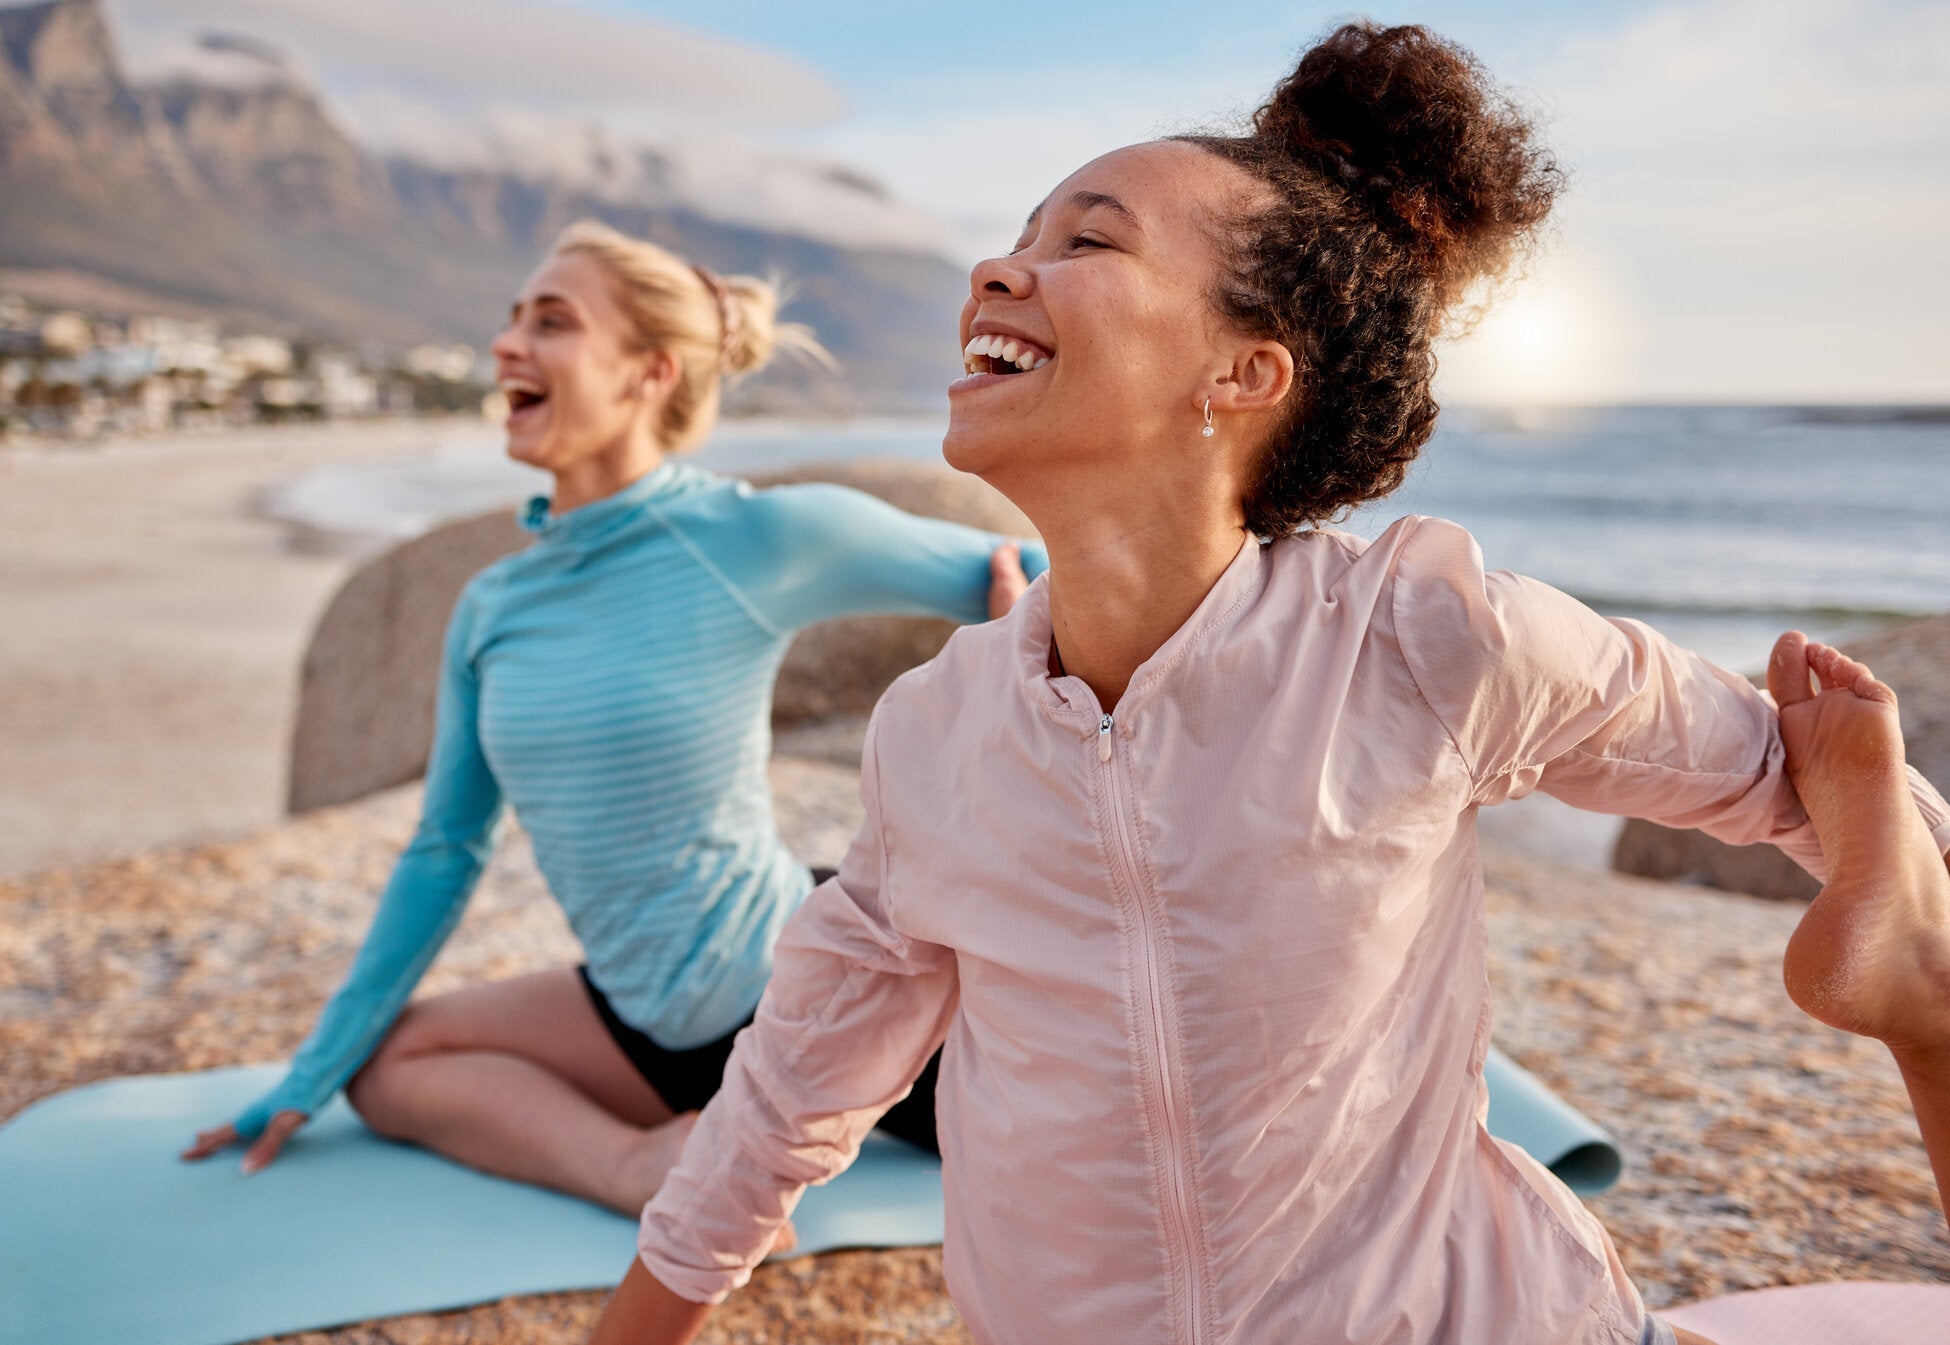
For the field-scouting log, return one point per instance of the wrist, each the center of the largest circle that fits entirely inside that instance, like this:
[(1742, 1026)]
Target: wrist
[(644, 1311)]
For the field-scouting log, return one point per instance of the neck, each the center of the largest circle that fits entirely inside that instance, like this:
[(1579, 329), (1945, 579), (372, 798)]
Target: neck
[(598, 477), (1127, 569)]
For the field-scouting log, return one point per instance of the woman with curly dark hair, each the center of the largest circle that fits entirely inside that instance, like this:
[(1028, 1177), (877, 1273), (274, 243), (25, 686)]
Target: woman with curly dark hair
[(1178, 860)]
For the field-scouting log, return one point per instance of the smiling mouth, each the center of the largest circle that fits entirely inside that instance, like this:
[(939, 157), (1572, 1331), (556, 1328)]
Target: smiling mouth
[(1003, 355), (522, 396)]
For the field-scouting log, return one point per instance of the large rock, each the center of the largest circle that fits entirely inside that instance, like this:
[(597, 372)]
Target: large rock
[(1914, 658), (365, 706)]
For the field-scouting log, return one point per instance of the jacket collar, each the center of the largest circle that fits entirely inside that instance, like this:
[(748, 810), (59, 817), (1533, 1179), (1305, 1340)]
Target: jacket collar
[(1220, 606)]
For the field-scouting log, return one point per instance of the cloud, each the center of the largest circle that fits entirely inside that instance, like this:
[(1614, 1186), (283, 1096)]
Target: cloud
[(724, 176), (1756, 206), (628, 109), (982, 146), (473, 53), (221, 58), (1768, 183)]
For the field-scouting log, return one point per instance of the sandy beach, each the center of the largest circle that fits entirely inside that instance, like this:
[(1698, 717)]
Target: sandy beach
[(151, 625), (1761, 1147), (158, 911)]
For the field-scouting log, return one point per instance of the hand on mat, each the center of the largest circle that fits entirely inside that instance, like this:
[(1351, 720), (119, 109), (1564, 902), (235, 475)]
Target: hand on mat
[(260, 1155)]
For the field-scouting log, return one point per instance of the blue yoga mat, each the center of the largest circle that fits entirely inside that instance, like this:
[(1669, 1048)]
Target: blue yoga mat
[(1548, 1128), (105, 1236)]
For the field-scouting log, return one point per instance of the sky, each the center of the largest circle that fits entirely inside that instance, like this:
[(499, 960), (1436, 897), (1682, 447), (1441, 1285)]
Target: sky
[(1759, 188)]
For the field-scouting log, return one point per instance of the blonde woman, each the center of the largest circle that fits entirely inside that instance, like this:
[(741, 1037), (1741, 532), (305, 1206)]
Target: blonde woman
[(612, 684)]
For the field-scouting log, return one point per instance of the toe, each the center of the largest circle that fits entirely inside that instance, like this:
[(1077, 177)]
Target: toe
[(1787, 670), (1869, 689)]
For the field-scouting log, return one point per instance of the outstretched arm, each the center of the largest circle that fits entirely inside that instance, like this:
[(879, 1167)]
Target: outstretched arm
[(1540, 692), (806, 553), (851, 1015), (418, 910)]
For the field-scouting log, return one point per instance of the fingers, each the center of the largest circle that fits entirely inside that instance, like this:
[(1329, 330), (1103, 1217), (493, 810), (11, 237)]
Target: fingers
[(211, 1141), (1787, 671), (261, 1154), (1007, 582)]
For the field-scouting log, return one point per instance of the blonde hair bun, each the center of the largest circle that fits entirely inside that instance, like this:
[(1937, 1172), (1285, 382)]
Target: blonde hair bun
[(715, 326)]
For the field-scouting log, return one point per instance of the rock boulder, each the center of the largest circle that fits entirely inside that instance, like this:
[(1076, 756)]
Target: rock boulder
[(365, 705)]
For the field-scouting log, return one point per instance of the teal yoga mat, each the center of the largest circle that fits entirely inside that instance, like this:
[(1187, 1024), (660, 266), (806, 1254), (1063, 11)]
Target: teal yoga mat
[(1548, 1128), (106, 1237)]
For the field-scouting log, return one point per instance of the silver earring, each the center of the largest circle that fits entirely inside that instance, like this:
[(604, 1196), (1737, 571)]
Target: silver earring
[(1207, 431)]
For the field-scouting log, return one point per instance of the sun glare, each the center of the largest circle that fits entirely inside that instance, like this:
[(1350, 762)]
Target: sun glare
[(1559, 337)]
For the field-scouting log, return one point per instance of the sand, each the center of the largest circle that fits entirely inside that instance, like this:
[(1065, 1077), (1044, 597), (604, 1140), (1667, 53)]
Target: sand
[(151, 626), (163, 915), (1762, 1147)]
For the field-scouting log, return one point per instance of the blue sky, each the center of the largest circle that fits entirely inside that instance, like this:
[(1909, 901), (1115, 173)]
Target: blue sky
[(1759, 189), (1759, 186)]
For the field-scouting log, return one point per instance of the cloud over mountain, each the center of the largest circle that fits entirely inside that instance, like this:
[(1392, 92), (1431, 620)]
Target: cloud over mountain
[(228, 182), (475, 55)]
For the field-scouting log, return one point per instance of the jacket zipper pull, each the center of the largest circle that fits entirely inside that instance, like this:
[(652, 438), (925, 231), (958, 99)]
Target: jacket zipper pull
[(1103, 739)]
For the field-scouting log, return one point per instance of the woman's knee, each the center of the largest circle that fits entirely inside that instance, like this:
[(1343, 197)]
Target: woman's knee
[(371, 1091)]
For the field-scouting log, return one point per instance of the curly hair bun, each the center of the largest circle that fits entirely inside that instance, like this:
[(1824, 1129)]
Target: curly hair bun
[(1412, 126)]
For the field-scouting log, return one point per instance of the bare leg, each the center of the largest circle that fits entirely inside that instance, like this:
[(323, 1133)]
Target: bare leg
[(1872, 954), (520, 1079)]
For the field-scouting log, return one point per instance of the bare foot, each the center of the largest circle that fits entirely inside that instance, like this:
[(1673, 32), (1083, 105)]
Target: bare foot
[(650, 1161), (1872, 954), (1007, 582)]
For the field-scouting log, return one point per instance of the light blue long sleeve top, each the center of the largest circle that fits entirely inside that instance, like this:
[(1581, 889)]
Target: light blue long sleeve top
[(613, 684)]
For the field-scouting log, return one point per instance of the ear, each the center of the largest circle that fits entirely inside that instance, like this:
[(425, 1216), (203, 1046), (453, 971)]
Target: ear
[(1259, 379), (657, 374)]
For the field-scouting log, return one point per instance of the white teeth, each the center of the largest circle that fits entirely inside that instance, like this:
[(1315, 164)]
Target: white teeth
[(997, 349)]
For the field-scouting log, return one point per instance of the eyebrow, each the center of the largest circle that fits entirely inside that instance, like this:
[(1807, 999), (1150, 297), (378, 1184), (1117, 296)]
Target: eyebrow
[(1085, 200), (546, 297)]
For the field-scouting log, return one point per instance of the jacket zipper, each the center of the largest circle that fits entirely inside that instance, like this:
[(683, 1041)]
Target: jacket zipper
[(1181, 1225)]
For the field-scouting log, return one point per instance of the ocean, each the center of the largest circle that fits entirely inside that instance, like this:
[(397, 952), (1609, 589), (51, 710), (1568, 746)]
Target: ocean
[(1721, 526)]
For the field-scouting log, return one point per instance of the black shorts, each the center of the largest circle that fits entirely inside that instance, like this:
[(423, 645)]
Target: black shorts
[(688, 1079)]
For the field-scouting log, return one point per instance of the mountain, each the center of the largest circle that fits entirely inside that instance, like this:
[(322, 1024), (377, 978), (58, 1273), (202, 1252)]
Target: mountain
[(230, 188)]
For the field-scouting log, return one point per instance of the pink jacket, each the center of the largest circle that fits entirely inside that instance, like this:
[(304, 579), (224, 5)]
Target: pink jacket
[(1211, 972)]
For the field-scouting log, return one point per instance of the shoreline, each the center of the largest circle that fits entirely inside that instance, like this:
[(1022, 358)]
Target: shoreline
[(155, 624), (160, 592)]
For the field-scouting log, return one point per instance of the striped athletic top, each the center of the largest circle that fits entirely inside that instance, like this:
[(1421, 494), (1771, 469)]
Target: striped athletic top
[(613, 683)]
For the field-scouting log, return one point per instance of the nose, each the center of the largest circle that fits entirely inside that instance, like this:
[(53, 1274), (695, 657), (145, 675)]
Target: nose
[(999, 277), (507, 343)]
